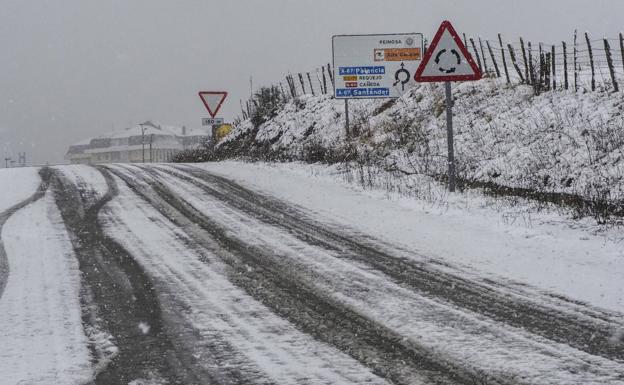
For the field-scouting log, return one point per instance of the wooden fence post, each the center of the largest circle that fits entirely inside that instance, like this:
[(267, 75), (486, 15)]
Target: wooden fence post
[(547, 71), (591, 61), (302, 83), (532, 70), (610, 63), (474, 48), (485, 67), (515, 62), (622, 48), (500, 41), (425, 46), (318, 78), (290, 86), (331, 76), (575, 64), (487, 42), (465, 41), (526, 65), (310, 81), (324, 80), (294, 85), (540, 82), (554, 67), (541, 63), (565, 65)]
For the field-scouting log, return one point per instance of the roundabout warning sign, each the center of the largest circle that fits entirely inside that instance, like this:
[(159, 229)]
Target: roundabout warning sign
[(447, 59)]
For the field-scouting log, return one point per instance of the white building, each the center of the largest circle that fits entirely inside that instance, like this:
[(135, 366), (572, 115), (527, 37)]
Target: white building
[(149, 142)]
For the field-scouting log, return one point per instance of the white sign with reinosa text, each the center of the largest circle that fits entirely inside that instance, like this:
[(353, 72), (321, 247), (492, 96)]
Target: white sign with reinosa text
[(375, 66)]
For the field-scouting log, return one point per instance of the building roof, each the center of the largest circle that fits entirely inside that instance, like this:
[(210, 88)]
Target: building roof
[(168, 137), (149, 128)]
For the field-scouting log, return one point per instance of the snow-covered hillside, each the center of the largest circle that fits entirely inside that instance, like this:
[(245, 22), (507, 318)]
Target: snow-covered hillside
[(558, 142)]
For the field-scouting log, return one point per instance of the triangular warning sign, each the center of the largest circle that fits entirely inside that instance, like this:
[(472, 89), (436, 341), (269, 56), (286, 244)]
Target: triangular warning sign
[(213, 100), (447, 59)]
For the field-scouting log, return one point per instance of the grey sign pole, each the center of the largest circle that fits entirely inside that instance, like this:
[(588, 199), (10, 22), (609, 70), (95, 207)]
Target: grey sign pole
[(449, 137), (347, 117)]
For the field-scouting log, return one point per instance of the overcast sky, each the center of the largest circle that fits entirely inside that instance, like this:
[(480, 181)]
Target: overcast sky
[(72, 69)]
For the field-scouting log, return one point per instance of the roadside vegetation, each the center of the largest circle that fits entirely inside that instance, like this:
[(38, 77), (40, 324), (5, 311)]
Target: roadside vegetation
[(560, 147)]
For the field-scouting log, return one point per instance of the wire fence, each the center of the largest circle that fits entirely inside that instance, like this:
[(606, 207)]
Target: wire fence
[(580, 64)]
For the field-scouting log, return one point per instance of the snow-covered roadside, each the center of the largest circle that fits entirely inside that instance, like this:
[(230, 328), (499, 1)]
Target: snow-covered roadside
[(41, 335), (558, 142), (17, 184), (543, 249)]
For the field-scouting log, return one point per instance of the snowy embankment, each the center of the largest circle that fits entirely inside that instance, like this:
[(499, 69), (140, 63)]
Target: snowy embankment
[(557, 142), (17, 184), (544, 250), (40, 316)]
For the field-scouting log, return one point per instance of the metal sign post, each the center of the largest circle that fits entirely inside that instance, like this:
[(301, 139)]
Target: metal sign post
[(447, 60), (347, 117), (449, 137)]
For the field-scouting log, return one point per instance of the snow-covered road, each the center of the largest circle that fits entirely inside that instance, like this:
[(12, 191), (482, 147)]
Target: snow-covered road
[(184, 276)]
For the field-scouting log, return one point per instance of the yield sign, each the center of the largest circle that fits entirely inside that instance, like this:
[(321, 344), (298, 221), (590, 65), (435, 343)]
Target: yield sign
[(212, 100), (447, 59)]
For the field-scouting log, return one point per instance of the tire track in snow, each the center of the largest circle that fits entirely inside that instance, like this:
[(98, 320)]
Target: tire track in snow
[(265, 277), (586, 329), (123, 294), (5, 215), (240, 338), (491, 352)]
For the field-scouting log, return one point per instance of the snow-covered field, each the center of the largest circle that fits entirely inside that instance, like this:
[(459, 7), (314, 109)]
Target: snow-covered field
[(17, 185), (544, 249)]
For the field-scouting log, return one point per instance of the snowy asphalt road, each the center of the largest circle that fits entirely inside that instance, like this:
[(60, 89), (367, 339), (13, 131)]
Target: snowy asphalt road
[(195, 279)]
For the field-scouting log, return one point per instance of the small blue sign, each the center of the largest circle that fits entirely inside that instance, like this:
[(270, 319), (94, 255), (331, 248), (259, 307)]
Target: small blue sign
[(373, 70), (362, 92)]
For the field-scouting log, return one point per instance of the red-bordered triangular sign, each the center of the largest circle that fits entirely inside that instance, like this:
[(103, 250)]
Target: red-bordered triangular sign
[(212, 100), (447, 59)]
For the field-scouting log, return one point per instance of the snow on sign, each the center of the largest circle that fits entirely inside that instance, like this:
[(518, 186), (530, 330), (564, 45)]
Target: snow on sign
[(447, 59), (213, 100), (375, 66)]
